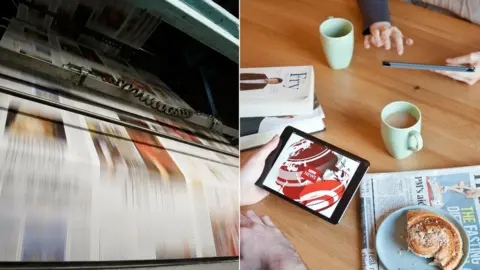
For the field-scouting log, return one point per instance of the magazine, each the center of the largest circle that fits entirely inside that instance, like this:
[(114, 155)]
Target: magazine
[(276, 91), (257, 131), (455, 190)]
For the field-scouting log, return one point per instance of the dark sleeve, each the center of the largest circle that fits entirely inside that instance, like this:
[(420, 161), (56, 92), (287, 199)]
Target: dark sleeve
[(373, 11), (250, 125)]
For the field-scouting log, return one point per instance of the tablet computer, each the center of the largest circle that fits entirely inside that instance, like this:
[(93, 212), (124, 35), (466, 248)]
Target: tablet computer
[(313, 174), (391, 64)]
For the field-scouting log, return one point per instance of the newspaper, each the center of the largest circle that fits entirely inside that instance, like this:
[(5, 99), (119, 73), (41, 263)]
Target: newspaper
[(107, 76), (456, 190), (117, 19), (74, 188)]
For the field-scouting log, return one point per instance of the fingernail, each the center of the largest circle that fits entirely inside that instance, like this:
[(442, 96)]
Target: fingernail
[(249, 212)]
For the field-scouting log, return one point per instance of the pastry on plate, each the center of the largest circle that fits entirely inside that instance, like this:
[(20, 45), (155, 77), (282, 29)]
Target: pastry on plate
[(432, 236)]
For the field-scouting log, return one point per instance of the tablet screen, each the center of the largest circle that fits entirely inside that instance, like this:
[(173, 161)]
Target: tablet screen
[(311, 174)]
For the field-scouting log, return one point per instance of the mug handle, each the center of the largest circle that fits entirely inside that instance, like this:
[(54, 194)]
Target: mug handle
[(415, 141)]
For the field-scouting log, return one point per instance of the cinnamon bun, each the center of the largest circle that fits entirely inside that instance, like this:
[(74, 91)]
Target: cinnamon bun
[(432, 236)]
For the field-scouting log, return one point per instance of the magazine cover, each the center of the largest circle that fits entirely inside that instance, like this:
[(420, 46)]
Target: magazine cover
[(276, 82), (311, 174), (276, 91)]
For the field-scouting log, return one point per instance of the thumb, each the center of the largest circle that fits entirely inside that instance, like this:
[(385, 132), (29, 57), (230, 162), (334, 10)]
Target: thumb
[(465, 59), (245, 221), (263, 153)]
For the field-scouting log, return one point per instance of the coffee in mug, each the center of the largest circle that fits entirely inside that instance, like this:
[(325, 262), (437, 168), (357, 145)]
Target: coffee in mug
[(401, 120)]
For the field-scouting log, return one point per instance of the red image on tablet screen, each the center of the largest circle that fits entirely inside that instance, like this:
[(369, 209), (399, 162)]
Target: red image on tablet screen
[(311, 174)]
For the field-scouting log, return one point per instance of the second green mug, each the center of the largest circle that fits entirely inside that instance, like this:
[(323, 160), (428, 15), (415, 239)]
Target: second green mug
[(337, 42), (402, 141)]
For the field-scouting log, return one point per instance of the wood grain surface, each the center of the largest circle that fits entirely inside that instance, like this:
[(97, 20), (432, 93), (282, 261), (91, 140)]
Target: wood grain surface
[(285, 33)]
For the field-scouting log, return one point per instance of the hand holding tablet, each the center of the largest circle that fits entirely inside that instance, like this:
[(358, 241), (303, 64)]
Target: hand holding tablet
[(464, 68), (472, 60), (251, 171), (312, 174)]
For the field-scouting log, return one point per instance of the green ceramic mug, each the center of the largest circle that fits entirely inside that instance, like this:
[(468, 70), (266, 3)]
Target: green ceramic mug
[(402, 141), (337, 42)]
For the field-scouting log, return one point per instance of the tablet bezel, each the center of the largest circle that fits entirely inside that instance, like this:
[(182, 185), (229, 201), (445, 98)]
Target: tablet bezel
[(350, 190)]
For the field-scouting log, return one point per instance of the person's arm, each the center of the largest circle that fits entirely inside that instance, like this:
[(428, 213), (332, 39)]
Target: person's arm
[(251, 170), (373, 11), (287, 261), (378, 30), (263, 246)]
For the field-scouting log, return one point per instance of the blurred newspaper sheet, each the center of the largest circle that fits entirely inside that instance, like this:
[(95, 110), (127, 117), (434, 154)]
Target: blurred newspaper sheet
[(74, 188)]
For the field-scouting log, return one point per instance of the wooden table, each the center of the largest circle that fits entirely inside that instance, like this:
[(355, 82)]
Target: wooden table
[(285, 33)]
